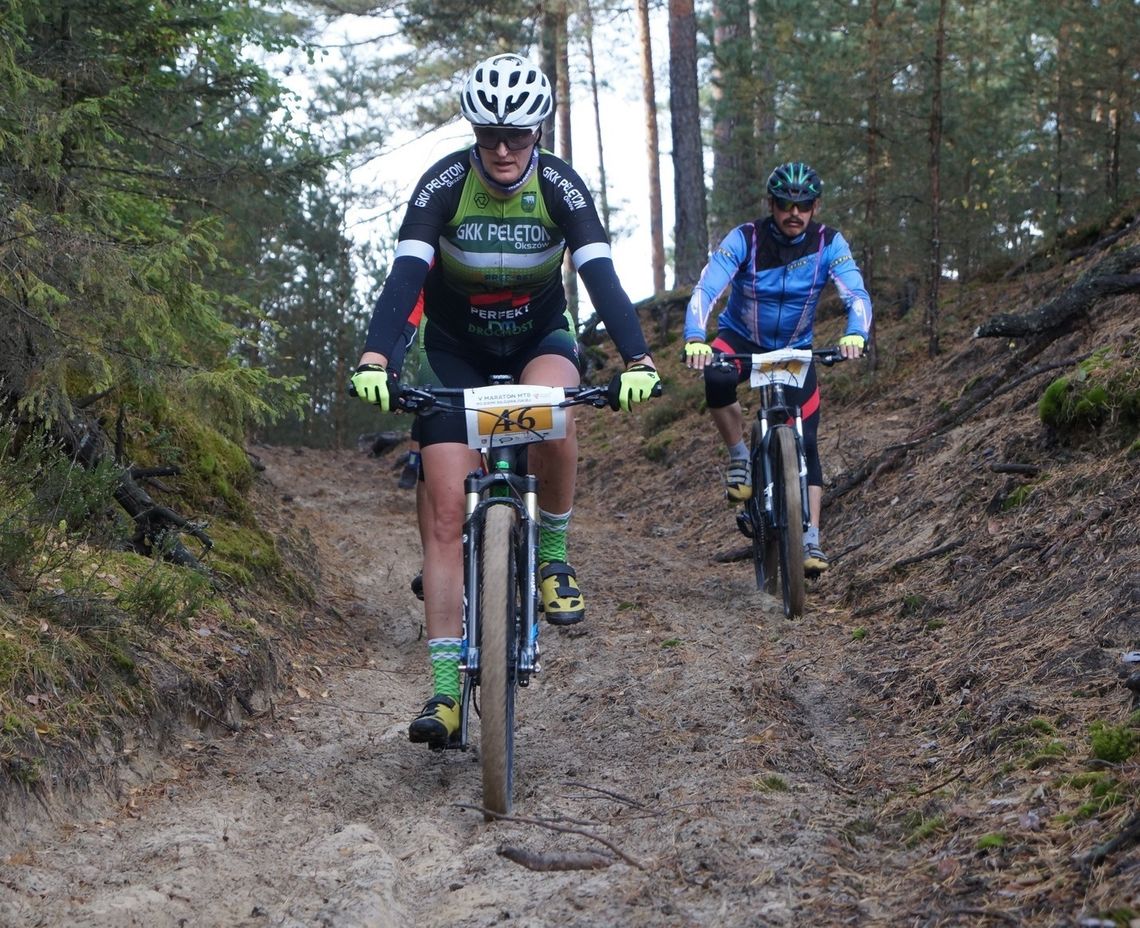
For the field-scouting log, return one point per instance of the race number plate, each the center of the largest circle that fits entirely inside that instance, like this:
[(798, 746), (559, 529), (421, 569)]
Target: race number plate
[(513, 414), (788, 366)]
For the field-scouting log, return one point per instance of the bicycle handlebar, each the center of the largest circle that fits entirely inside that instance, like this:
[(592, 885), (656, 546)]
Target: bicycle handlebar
[(826, 356), (422, 399)]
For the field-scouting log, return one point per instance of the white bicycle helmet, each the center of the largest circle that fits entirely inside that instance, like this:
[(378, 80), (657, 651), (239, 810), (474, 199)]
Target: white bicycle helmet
[(506, 90)]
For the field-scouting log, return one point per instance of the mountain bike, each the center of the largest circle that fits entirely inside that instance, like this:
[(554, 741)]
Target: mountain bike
[(777, 513), (500, 649)]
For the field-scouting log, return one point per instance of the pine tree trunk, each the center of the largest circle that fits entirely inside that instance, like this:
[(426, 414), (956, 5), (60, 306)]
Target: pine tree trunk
[(936, 182), (565, 142), (734, 193), (871, 189), (690, 233), (603, 195), (1061, 122), (548, 61), (652, 148)]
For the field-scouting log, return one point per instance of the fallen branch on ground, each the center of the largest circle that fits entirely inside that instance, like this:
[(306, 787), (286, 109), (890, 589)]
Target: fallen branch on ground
[(926, 555), (892, 456), (569, 860), (561, 829), (1129, 834), (1030, 470), (605, 792), (1109, 276)]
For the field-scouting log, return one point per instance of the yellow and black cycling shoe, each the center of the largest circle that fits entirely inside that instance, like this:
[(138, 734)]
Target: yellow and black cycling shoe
[(562, 601), (437, 724), (738, 480), (815, 561)]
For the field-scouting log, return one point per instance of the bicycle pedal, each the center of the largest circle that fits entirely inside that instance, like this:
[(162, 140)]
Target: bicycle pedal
[(744, 523)]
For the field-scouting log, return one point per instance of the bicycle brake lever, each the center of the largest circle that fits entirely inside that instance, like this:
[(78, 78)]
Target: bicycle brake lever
[(414, 400)]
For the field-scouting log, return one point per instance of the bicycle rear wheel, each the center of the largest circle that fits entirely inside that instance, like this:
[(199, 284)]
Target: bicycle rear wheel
[(790, 520), (498, 598)]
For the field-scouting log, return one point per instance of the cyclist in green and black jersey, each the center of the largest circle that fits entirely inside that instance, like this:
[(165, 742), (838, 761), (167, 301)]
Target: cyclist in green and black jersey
[(484, 237)]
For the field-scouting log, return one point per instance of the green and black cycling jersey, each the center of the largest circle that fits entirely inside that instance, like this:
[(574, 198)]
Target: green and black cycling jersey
[(489, 260)]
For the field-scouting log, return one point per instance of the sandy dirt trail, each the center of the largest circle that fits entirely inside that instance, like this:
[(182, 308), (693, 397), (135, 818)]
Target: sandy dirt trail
[(667, 726)]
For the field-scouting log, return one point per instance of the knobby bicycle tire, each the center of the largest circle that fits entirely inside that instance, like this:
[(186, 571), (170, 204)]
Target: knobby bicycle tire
[(765, 548), (498, 597), (789, 517)]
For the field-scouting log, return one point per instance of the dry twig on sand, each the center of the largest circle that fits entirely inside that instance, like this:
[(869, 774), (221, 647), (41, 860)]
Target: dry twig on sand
[(562, 829), (567, 860)]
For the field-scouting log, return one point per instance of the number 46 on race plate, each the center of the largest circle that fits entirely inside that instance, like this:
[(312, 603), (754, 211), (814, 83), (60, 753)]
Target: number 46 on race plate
[(513, 414)]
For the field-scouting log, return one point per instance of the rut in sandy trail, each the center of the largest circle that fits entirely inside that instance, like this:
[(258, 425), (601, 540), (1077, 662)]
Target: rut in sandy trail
[(643, 731)]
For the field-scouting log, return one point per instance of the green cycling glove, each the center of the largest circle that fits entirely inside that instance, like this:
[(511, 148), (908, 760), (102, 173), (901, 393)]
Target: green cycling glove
[(373, 384), (855, 341), (634, 386), (697, 350)]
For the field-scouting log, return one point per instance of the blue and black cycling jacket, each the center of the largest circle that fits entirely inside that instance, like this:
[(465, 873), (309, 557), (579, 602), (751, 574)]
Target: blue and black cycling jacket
[(776, 285)]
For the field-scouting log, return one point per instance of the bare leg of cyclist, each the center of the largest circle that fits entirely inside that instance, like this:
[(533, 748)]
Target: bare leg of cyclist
[(555, 463), (815, 561), (730, 423), (441, 525), (440, 516), (556, 466)]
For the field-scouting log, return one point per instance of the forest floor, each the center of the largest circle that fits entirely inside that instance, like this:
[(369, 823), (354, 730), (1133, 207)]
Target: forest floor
[(919, 749)]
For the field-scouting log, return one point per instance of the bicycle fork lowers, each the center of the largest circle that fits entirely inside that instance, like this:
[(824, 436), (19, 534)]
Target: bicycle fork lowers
[(502, 498), (775, 413)]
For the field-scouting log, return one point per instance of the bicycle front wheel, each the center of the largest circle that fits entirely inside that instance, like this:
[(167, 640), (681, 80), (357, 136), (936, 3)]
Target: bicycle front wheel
[(790, 519), (765, 545), (498, 600)]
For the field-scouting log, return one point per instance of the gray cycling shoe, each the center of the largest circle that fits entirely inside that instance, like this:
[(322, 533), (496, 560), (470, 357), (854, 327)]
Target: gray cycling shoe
[(815, 561)]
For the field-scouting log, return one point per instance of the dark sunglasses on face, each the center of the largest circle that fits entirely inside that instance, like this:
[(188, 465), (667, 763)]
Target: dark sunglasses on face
[(490, 137), (786, 206)]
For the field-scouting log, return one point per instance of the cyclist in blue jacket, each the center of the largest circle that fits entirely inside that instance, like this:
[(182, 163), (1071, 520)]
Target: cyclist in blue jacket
[(777, 268)]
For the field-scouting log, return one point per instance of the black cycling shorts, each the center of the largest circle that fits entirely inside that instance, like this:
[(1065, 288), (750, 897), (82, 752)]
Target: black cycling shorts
[(450, 363)]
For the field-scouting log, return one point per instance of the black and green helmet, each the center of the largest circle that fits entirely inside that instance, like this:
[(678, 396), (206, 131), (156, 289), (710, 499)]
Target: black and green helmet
[(795, 181)]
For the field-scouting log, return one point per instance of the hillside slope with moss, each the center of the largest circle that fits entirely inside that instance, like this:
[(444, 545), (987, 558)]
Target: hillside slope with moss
[(105, 650)]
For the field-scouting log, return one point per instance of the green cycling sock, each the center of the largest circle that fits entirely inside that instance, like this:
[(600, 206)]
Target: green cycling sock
[(444, 654), (552, 530)]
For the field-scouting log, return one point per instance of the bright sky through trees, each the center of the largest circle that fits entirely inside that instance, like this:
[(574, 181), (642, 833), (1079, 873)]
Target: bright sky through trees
[(382, 183)]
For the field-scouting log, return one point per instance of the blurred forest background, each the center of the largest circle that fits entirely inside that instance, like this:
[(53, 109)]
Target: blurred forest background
[(174, 249)]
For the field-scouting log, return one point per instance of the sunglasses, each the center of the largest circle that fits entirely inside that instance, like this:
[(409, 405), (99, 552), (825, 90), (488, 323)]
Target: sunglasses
[(786, 206), (490, 137)]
